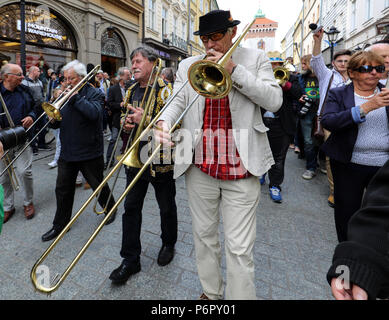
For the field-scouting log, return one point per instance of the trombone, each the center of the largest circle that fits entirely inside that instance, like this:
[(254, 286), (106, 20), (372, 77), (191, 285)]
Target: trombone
[(215, 73), (282, 74), (53, 110), (135, 162)]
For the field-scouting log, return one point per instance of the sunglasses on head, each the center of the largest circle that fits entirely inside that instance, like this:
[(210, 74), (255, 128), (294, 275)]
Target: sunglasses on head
[(214, 36), (368, 69)]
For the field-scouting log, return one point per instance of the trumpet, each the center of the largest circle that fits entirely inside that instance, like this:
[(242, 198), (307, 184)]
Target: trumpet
[(204, 72), (282, 74)]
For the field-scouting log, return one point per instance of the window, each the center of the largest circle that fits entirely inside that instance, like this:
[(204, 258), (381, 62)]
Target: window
[(175, 25), (368, 9), (191, 29), (201, 5), (353, 24), (183, 30), (152, 14), (386, 3), (184, 2), (164, 21)]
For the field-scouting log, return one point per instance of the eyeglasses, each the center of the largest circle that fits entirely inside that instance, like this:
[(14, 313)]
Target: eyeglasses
[(214, 36), (368, 69), (16, 74)]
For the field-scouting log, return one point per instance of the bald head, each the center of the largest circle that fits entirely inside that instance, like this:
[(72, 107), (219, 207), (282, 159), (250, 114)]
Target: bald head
[(34, 72), (12, 76), (382, 49)]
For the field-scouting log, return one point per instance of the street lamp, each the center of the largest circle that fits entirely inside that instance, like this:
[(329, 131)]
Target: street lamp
[(332, 36)]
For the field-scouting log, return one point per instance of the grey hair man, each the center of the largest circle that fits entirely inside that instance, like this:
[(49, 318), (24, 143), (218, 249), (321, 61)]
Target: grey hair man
[(19, 101), (115, 103)]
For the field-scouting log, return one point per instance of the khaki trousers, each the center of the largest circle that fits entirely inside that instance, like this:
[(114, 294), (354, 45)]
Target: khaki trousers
[(237, 202), (328, 166)]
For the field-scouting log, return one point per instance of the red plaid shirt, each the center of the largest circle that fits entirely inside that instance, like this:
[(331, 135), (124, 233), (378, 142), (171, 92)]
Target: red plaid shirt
[(218, 156)]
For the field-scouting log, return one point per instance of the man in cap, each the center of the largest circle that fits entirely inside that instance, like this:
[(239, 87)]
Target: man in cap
[(224, 175)]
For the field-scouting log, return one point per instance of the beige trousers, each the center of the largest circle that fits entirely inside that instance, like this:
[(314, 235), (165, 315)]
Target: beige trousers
[(237, 202)]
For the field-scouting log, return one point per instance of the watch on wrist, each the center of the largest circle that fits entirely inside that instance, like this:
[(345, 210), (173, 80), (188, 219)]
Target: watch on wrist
[(362, 112)]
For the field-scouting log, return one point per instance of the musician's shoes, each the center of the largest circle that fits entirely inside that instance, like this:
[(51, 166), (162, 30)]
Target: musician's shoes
[(166, 254), (45, 147), (8, 215), (111, 218), (125, 270), (29, 211), (51, 234)]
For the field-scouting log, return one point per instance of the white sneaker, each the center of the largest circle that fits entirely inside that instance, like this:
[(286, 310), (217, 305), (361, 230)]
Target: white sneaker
[(53, 164), (308, 174)]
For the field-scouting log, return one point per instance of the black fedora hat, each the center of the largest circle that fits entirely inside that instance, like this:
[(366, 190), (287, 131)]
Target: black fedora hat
[(214, 21)]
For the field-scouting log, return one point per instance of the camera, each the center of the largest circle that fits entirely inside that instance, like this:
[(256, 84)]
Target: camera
[(305, 108), (315, 28)]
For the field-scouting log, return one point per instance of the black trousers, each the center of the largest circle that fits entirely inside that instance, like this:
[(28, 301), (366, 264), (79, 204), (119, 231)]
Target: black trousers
[(350, 182), (165, 192), (279, 144), (92, 171)]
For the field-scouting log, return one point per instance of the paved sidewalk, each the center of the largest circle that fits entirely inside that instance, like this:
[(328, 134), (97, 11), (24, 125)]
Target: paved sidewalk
[(295, 242)]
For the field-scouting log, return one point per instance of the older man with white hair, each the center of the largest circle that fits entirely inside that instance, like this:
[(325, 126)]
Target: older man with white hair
[(382, 49), (82, 147), (19, 102)]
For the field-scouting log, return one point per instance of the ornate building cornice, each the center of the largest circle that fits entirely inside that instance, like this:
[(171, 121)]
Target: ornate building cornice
[(130, 6)]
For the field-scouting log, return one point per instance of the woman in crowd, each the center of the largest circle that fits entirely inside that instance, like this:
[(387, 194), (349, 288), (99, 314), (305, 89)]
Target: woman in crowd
[(357, 117)]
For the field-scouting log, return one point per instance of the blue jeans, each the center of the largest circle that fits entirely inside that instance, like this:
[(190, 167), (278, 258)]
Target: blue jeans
[(309, 147)]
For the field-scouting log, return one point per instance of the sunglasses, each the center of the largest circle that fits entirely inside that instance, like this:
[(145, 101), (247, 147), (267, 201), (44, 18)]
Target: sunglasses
[(368, 69), (214, 36), (16, 74)]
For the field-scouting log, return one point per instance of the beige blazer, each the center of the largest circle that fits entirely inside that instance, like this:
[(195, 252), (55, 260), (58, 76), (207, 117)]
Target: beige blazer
[(254, 86)]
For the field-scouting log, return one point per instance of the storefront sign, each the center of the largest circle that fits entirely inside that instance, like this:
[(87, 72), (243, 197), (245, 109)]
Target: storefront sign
[(40, 30)]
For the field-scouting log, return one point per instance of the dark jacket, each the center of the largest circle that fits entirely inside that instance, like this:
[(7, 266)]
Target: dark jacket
[(286, 113), (366, 252), (337, 119), (81, 128), (20, 104), (115, 98)]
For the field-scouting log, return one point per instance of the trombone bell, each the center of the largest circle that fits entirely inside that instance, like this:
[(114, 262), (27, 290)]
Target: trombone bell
[(209, 79), (51, 111)]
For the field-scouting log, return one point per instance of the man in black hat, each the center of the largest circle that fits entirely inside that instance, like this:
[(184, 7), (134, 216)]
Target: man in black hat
[(222, 163)]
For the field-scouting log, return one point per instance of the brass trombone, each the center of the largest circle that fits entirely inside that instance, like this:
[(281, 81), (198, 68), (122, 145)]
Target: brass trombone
[(215, 71), (135, 162), (53, 110), (282, 74)]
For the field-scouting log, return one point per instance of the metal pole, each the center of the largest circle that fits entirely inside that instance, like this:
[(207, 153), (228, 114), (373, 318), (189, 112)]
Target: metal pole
[(23, 36)]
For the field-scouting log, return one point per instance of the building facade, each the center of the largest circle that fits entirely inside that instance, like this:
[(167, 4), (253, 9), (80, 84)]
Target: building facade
[(261, 34), (367, 22), (97, 32), (334, 14)]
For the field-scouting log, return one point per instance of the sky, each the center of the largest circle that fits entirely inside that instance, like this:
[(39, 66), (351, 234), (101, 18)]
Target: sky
[(285, 12)]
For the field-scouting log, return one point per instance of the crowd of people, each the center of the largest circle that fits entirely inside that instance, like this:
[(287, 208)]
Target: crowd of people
[(335, 118)]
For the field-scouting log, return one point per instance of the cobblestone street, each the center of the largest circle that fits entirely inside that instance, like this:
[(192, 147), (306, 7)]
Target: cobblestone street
[(293, 250)]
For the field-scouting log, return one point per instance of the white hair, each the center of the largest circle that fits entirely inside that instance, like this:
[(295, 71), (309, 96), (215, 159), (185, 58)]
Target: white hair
[(77, 66)]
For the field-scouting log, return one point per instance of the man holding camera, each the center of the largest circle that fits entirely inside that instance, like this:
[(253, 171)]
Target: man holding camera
[(328, 79), (307, 113)]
